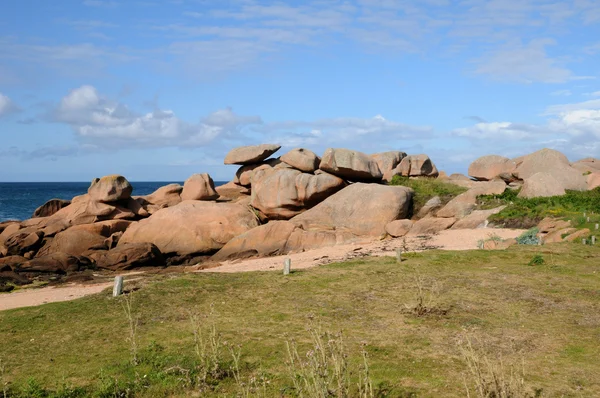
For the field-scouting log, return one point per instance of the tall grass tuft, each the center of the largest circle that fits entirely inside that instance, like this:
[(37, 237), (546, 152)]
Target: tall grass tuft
[(133, 323), (487, 378)]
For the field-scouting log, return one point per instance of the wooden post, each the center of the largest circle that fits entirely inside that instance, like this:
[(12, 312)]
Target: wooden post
[(398, 255), (118, 287), (287, 266)]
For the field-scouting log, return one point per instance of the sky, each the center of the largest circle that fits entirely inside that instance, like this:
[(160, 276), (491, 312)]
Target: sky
[(160, 90)]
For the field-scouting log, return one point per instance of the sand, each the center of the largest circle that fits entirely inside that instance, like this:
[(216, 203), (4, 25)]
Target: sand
[(446, 240)]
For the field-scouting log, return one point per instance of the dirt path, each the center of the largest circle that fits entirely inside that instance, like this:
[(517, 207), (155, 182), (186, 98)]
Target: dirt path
[(456, 239), (446, 240), (33, 297)]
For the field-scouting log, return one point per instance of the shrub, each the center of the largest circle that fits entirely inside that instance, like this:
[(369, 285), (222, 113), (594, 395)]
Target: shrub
[(529, 237), (536, 260), (527, 212)]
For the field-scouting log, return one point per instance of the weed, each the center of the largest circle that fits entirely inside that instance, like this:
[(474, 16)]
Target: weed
[(133, 322), (491, 238), (208, 349), (489, 378), (3, 382), (365, 385), (536, 260), (324, 371), (255, 386), (427, 294)]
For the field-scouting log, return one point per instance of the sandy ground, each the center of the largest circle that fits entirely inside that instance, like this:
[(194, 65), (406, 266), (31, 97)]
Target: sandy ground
[(446, 240), (463, 239)]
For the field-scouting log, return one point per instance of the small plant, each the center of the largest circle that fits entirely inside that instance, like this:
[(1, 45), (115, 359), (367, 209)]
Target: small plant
[(529, 237), (208, 348), (427, 294), (536, 260), (491, 238), (133, 322), (323, 371), (365, 385), (255, 386), (3, 382)]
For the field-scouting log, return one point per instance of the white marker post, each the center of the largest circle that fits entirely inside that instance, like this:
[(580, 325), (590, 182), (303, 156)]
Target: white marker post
[(593, 239), (287, 266), (398, 256), (584, 241), (118, 287)]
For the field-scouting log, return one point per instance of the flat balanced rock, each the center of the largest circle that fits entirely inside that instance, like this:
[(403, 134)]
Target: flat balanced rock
[(110, 189), (250, 154), (350, 165)]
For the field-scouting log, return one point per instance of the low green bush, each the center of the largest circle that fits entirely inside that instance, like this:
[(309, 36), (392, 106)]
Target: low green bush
[(536, 260), (529, 237), (525, 213)]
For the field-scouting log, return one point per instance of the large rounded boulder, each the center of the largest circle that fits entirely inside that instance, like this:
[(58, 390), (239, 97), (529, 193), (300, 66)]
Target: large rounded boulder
[(192, 227), (110, 188), (488, 167), (350, 165), (250, 154), (50, 207), (281, 194), (362, 209), (416, 166), (302, 159), (554, 163), (199, 187), (387, 162), (541, 185)]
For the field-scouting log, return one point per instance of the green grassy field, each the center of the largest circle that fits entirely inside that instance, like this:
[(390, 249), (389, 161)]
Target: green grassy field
[(539, 323)]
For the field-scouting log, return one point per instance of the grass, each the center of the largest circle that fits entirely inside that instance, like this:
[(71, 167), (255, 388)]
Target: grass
[(526, 213), (541, 320), (427, 188)]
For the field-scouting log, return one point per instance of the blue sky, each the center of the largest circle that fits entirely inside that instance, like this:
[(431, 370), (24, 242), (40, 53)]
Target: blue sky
[(159, 90)]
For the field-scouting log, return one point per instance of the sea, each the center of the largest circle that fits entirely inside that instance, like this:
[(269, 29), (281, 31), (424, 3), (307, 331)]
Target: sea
[(18, 200)]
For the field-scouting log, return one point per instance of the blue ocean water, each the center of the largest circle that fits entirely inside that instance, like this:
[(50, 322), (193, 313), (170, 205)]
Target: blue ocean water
[(18, 200)]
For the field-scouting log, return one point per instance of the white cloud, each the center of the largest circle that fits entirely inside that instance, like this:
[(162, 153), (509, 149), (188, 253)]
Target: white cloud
[(498, 131), (6, 105), (561, 93), (109, 123), (525, 63)]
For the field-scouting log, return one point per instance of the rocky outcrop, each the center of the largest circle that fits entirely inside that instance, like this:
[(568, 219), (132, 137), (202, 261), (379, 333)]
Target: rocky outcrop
[(232, 191), (387, 162), (110, 189), (56, 263), (430, 207), (416, 166), (362, 209), (72, 242), (277, 238), (587, 165), (593, 180), (23, 243), (191, 227), (556, 165), (465, 203), (250, 154), (302, 159), (128, 256), (281, 194), (431, 225), (541, 185), (166, 196), (199, 187), (50, 207), (477, 219), (489, 167), (350, 165)]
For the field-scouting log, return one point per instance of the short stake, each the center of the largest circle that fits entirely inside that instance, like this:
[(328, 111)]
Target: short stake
[(398, 255), (287, 266), (118, 287)]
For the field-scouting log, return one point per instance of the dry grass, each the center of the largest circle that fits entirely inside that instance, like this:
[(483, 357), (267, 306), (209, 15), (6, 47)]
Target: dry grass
[(546, 315)]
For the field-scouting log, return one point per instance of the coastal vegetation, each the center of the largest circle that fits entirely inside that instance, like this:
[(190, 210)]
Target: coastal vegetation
[(439, 323)]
